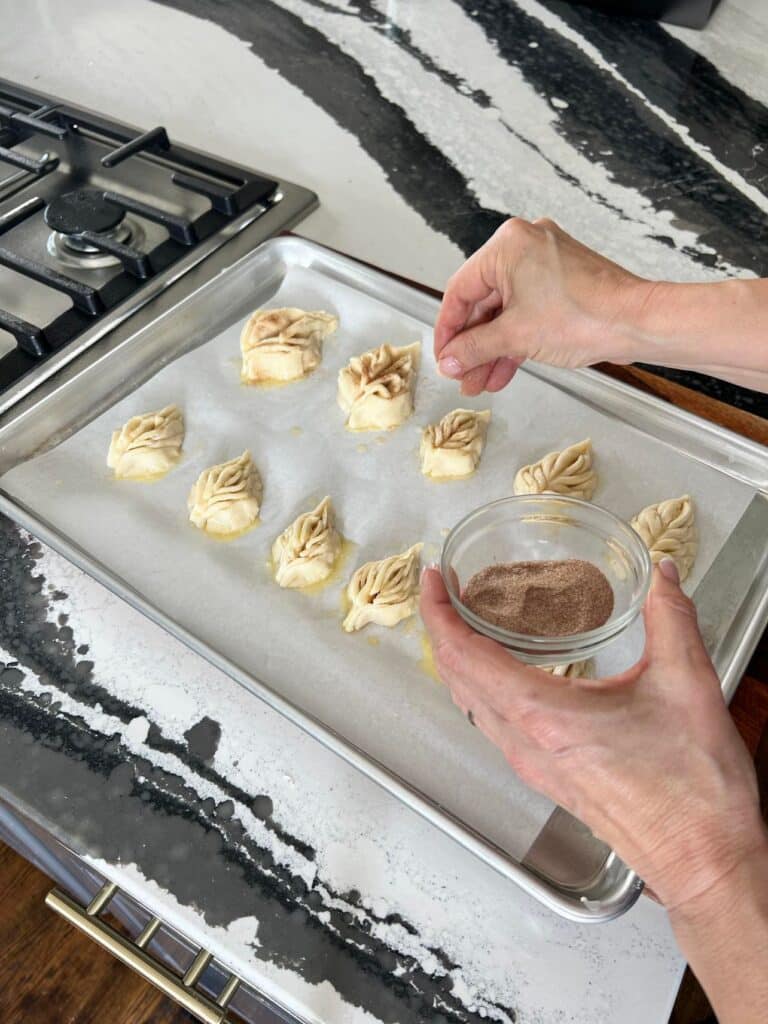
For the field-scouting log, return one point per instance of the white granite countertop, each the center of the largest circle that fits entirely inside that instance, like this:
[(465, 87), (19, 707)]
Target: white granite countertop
[(221, 817)]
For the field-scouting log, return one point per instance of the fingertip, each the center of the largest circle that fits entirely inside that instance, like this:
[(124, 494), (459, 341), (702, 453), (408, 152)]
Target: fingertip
[(449, 366)]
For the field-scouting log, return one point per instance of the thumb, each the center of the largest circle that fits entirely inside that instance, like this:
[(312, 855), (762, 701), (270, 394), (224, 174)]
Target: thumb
[(477, 345), (673, 640)]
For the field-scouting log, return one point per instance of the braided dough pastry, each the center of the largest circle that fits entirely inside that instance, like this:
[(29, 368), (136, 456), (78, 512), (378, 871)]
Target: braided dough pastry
[(452, 448), (226, 499), (668, 530), (307, 550), (384, 592), (148, 445), (283, 344), (376, 388), (567, 472), (575, 670)]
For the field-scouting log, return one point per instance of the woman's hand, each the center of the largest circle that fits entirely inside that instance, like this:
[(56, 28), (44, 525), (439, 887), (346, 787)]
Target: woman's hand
[(650, 760), (533, 292)]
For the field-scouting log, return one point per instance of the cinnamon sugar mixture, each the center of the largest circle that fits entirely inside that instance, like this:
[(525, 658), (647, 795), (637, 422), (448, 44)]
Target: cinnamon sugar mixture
[(556, 598)]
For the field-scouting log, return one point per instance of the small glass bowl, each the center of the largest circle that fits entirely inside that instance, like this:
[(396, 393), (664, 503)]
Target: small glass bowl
[(543, 527)]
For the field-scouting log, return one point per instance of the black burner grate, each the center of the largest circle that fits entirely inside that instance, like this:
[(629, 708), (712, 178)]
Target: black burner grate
[(90, 219)]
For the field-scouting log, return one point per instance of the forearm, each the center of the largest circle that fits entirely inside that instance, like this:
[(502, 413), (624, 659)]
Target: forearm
[(724, 936), (720, 329)]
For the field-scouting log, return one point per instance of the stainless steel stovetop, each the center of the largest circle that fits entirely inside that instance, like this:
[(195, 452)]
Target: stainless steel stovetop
[(101, 224)]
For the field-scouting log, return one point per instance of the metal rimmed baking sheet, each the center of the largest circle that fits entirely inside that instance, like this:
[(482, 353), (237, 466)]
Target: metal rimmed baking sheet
[(373, 703)]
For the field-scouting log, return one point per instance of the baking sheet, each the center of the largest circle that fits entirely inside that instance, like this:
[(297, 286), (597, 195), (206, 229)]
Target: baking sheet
[(371, 687)]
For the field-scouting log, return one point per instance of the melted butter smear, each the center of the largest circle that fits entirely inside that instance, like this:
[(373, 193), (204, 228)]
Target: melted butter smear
[(335, 574), (448, 479), (267, 385), (225, 538), (347, 546), (149, 478), (427, 663)]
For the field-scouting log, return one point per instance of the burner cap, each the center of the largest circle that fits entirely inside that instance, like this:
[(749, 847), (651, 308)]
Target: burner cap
[(85, 209)]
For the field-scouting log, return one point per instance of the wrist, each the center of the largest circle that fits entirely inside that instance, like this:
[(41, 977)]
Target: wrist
[(723, 933), (704, 326), (732, 882), (633, 327)]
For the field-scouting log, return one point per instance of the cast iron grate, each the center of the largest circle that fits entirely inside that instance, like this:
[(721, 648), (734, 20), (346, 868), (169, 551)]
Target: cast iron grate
[(90, 216)]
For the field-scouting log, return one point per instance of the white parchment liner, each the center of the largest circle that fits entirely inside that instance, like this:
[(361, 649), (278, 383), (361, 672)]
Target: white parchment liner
[(370, 687)]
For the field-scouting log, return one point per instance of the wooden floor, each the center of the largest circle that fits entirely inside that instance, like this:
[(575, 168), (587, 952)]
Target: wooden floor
[(52, 974)]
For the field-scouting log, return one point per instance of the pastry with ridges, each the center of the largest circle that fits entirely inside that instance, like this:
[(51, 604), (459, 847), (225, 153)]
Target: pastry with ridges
[(384, 592), (573, 670), (283, 344), (568, 472), (306, 552), (452, 448), (376, 388), (668, 530), (226, 499), (148, 445)]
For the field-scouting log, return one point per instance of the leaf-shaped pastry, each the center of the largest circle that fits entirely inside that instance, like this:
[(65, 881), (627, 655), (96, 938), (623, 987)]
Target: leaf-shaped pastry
[(227, 497), (668, 530), (453, 447), (307, 550), (574, 670), (376, 388), (567, 472), (384, 592), (148, 445), (283, 344)]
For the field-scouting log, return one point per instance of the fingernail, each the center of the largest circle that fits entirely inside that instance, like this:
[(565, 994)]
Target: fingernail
[(668, 569), (450, 367)]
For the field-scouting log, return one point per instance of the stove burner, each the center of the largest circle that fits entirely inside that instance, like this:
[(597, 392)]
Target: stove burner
[(74, 251), (122, 233), (85, 209)]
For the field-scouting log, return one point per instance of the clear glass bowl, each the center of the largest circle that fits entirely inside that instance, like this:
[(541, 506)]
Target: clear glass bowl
[(541, 527)]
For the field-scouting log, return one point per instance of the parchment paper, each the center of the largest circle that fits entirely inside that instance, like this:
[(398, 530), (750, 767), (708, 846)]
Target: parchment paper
[(370, 687)]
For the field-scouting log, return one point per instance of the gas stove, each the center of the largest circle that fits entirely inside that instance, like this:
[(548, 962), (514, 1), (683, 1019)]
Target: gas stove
[(99, 221)]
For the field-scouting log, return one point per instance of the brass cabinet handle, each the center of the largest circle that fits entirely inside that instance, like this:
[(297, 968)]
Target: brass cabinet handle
[(133, 954)]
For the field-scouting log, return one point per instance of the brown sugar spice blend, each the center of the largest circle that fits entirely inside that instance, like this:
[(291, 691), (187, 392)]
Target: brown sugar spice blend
[(555, 598)]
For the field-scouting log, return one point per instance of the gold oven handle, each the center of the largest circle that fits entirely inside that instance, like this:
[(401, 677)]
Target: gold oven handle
[(133, 954)]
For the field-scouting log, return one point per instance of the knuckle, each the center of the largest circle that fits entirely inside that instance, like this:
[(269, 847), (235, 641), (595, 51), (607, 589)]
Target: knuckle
[(515, 227), (453, 280), (545, 729), (449, 658), (547, 224), (681, 604)]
